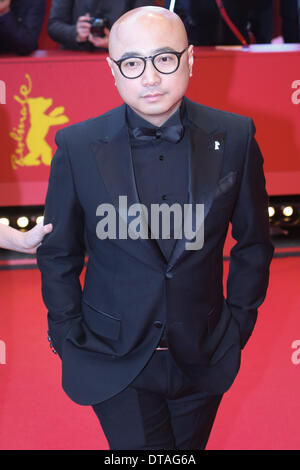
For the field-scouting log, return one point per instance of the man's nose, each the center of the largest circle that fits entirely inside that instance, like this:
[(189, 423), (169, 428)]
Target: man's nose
[(150, 76)]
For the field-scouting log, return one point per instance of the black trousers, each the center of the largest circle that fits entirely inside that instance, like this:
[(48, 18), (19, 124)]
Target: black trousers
[(160, 409)]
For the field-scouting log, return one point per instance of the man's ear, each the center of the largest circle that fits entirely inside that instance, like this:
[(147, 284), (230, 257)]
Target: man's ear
[(191, 59), (110, 63)]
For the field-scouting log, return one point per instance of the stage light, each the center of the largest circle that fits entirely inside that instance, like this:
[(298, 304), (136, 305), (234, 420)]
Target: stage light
[(4, 221), (271, 211), (40, 219), (22, 222), (288, 211)]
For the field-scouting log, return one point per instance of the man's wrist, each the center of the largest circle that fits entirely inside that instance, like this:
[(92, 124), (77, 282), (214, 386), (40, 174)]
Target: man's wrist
[(80, 39)]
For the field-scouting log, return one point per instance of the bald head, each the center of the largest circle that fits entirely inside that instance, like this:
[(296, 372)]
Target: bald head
[(137, 23), (157, 33)]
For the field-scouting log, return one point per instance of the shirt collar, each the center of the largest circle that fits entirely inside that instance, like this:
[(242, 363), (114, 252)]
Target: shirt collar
[(134, 120)]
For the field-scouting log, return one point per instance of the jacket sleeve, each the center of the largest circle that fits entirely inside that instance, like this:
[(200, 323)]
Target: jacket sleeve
[(251, 256), (21, 37), (61, 255), (60, 24)]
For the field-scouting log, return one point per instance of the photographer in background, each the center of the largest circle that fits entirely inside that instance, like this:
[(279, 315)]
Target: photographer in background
[(84, 24), (206, 26), (290, 16), (21, 22)]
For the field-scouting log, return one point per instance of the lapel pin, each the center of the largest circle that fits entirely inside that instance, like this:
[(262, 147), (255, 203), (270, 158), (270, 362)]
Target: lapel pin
[(217, 145)]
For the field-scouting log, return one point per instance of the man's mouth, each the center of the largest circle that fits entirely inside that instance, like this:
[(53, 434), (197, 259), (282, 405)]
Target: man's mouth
[(152, 96)]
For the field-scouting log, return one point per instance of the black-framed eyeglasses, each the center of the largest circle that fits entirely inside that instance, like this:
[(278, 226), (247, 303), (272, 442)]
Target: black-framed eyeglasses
[(164, 62)]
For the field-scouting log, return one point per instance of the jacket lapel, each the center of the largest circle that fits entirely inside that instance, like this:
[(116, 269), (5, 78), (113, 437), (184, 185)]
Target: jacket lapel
[(205, 163), (113, 155)]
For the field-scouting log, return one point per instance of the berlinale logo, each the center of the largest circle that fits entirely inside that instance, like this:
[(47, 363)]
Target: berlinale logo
[(34, 123)]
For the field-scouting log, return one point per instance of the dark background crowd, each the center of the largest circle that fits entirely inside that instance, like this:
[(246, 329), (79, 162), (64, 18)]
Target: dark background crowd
[(84, 24)]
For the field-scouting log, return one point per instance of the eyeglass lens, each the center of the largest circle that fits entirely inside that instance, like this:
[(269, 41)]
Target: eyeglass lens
[(164, 63)]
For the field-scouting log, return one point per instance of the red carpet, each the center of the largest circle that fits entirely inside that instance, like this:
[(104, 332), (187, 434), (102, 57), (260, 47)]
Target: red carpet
[(261, 410)]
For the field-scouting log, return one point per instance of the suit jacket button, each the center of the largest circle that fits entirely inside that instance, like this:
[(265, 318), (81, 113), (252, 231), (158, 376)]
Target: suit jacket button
[(158, 324), (169, 275)]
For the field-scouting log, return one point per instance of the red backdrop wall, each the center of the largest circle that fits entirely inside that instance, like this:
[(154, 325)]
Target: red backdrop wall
[(49, 90)]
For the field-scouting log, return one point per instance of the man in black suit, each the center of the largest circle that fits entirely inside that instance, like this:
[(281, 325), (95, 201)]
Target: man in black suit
[(150, 342), (206, 26), (21, 22), (290, 16), (70, 21)]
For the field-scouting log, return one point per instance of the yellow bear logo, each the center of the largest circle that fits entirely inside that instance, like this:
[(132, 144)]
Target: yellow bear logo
[(39, 151), (40, 122)]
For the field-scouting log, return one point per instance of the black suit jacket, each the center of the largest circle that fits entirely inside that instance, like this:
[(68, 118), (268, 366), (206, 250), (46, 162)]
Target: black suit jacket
[(65, 13), (106, 332)]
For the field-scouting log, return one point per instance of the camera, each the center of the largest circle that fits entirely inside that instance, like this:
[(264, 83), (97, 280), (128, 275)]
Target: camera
[(98, 25)]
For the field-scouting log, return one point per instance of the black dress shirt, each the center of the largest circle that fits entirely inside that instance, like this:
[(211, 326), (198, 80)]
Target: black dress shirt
[(161, 170)]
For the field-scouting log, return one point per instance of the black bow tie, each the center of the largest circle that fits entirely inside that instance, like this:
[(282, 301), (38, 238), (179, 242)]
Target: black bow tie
[(170, 133)]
